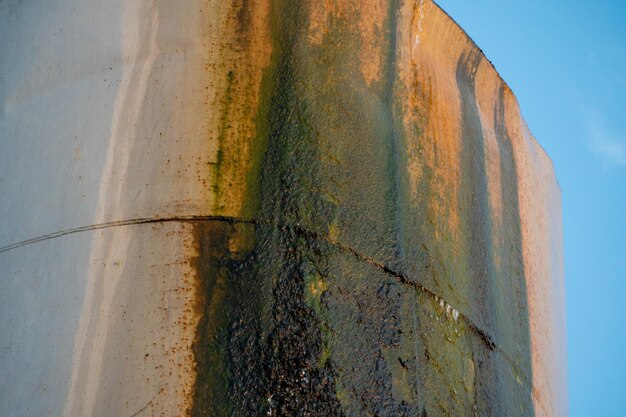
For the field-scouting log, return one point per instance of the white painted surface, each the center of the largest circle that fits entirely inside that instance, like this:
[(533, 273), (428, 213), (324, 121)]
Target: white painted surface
[(108, 345), (98, 124), (99, 96)]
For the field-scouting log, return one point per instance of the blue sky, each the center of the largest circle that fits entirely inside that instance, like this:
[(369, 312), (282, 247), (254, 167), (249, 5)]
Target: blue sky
[(566, 63)]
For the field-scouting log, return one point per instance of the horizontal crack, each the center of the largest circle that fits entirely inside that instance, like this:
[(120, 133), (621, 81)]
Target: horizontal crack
[(484, 336), (128, 222), (488, 340)]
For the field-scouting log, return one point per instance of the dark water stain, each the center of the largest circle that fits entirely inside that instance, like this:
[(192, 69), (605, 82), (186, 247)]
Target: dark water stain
[(268, 358), (475, 212), (495, 267), (511, 272), (474, 194), (299, 382), (228, 332), (292, 322), (244, 17), (395, 139)]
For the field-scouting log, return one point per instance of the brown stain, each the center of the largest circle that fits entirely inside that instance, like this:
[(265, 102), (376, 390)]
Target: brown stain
[(368, 19), (218, 244), (240, 57), (237, 54), (430, 108), (210, 387), (447, 100)]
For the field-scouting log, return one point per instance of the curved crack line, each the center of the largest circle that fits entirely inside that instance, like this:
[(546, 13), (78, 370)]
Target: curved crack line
[(488, 340), (403, 279), (145, 407), (128, 222)]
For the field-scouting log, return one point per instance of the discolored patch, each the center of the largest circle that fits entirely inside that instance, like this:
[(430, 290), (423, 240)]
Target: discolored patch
[(380, 271)]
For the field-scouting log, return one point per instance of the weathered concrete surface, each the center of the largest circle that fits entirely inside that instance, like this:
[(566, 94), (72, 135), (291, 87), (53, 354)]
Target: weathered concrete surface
[(106, 116), (270, 208), (104, 333)]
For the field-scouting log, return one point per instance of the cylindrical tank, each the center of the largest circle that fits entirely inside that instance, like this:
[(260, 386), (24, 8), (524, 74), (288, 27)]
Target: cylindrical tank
[(270, 207)]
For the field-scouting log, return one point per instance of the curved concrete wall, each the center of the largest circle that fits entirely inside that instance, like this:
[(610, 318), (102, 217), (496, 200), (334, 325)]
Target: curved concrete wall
[(269, 207)]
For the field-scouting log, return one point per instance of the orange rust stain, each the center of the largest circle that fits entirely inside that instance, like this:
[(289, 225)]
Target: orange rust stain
[(366, 18), (431, 108), (240, 55)]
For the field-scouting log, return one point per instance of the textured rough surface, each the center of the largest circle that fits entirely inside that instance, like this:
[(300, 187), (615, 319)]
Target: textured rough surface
[(270, 207)]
